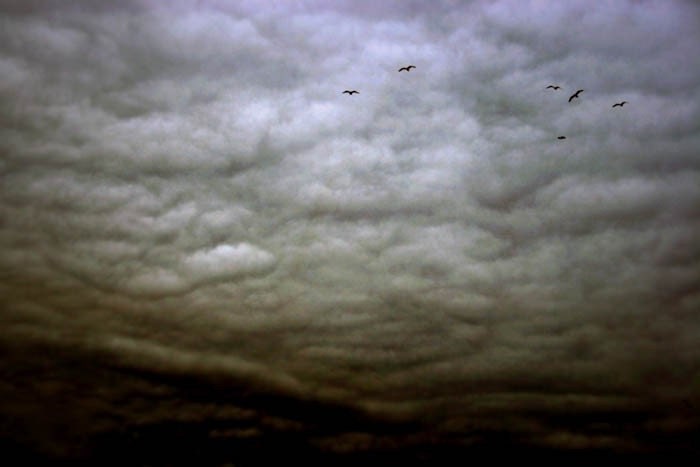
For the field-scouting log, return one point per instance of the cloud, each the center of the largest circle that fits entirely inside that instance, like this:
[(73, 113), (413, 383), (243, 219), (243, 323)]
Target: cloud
[(219, 264), (187, 194), (227, 260)]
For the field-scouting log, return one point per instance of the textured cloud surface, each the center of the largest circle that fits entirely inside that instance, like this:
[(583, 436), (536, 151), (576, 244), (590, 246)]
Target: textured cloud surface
[(203, 242)]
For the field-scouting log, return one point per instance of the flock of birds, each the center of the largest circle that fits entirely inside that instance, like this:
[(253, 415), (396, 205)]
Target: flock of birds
[(576, 96), (403, 68), (554, 87)]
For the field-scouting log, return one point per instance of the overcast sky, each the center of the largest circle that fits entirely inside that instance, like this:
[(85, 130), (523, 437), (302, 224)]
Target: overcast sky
[(199, 230)]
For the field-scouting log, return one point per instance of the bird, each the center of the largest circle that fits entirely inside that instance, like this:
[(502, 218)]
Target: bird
[(561, 137), (619, 104), (552, 86), (407, 68), (351, 92), (575, 95)]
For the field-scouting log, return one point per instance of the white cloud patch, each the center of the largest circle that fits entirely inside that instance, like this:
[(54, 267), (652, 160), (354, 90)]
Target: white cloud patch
[(208, 266), (226, 261)]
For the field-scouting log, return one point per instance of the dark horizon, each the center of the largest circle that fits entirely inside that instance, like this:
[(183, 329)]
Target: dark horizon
[(306, 429)]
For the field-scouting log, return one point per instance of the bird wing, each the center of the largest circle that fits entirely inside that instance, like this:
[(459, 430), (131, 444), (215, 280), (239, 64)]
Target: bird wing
[(550, 87), (403, 68), (575, 94)]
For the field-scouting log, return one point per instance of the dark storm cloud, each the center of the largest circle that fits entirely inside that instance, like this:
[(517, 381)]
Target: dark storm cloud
[(189, 205)]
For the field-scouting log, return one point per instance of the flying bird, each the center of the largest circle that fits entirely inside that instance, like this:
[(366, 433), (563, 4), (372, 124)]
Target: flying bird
[(350, 92), (619, 104), (407, 68), (551, 86), (575, 95), (561, 137)]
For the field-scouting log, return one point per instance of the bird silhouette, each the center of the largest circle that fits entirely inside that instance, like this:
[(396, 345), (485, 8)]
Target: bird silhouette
[(406, 68), (561, 137), (552, 86), (619, 104), (350, 92), (575, 95)]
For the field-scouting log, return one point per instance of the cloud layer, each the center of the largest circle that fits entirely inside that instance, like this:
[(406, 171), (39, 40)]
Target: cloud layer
[(188, 204)]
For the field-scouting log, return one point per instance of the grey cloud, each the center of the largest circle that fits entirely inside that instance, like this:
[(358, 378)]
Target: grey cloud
[(202, 235)]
